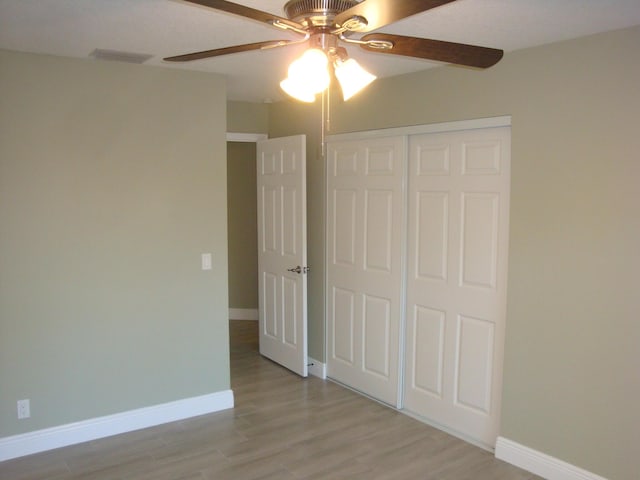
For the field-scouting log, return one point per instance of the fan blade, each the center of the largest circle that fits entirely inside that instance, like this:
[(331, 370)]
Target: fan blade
[(247, 12), (379, 13), (216, 52), (458, 53)]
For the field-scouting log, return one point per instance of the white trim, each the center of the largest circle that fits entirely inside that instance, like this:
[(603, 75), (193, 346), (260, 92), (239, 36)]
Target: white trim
[(540, 463), (243, 314), (246, 137), (503, 121), (316, 368), (100, 427)]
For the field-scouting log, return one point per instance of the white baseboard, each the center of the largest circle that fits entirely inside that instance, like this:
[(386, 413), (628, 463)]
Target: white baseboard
[(316, 368), (540, 463), (243, 314), (100, 427)]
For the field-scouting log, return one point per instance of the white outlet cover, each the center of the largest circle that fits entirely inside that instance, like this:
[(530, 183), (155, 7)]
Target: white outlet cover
[(24, 410), (206, 261)]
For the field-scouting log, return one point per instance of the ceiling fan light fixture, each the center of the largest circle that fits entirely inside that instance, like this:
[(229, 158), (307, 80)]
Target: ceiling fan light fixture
[(307, 75), (352, 77), (311, 70), (325, 23), (297, 90)]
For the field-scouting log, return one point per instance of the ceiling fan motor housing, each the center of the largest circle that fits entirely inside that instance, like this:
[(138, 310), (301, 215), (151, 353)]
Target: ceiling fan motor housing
[(316, 13)]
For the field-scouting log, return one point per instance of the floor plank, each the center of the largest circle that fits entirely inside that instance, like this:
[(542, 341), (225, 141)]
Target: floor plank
[(283, 427)]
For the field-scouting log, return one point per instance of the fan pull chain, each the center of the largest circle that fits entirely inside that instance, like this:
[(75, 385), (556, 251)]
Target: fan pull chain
[(326, 121)]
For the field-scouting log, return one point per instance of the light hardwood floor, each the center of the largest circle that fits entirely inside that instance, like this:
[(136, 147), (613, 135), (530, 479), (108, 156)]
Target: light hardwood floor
[(282, 428)]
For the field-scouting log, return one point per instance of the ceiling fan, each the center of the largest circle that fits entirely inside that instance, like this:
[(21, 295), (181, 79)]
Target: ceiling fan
[(326, 24)]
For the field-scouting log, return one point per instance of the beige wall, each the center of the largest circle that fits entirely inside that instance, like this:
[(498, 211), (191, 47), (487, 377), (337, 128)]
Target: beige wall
[(571, 384), (246, 117), (112, 183), (242, 225)]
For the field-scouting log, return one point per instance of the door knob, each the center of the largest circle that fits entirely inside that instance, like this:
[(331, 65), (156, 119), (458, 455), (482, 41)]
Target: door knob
[(297, 269)]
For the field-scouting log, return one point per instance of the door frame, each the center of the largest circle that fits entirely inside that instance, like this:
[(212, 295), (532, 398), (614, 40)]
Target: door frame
[(246, 137), (238, 313)]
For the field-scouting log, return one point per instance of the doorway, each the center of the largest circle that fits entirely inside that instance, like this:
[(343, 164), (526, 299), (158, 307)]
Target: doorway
[(267, 243), (242, 231), (242, 241)]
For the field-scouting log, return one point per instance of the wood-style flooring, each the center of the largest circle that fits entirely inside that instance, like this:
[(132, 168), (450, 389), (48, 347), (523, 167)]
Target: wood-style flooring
[(282, 428)]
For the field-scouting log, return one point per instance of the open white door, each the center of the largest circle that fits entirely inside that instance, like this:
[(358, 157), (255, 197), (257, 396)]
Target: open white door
[(282, 251)]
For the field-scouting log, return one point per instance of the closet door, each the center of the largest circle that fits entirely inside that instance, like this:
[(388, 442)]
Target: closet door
[(456, 279), (364, 264)]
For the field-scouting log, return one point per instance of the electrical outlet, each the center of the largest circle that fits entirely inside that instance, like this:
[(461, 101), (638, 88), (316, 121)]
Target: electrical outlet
[(24, 409)]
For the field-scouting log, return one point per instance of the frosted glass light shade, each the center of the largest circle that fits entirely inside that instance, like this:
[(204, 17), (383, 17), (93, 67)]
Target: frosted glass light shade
[(307, 76), (352, 77), (297, 90)]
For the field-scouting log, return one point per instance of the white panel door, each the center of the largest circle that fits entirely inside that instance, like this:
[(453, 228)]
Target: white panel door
[(282, 251), (364, 264), (456, 279)]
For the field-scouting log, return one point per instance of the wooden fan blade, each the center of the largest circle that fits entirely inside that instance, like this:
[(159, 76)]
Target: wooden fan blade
[(216, 52), (458, 53), (379, 13), (247, 12)]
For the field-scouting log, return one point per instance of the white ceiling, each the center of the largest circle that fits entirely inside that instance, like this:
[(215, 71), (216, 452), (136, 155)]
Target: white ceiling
[(163, 28)]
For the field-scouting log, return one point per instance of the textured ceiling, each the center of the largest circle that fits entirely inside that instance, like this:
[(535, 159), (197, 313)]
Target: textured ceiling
[(170, 27)]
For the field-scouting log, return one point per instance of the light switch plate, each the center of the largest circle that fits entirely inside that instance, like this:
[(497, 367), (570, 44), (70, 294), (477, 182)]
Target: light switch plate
[(206, 261)]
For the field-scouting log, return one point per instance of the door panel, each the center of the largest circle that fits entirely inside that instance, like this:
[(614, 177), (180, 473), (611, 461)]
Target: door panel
[(342, 340), (289, 294), (432, 234), (479, 239), (344, 226), (428, 345), (378, 228), (364, 272), (474, 345), (282, 228), (456, 278), (376, 326), (289, 221), (268, 196), (270, 304)]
